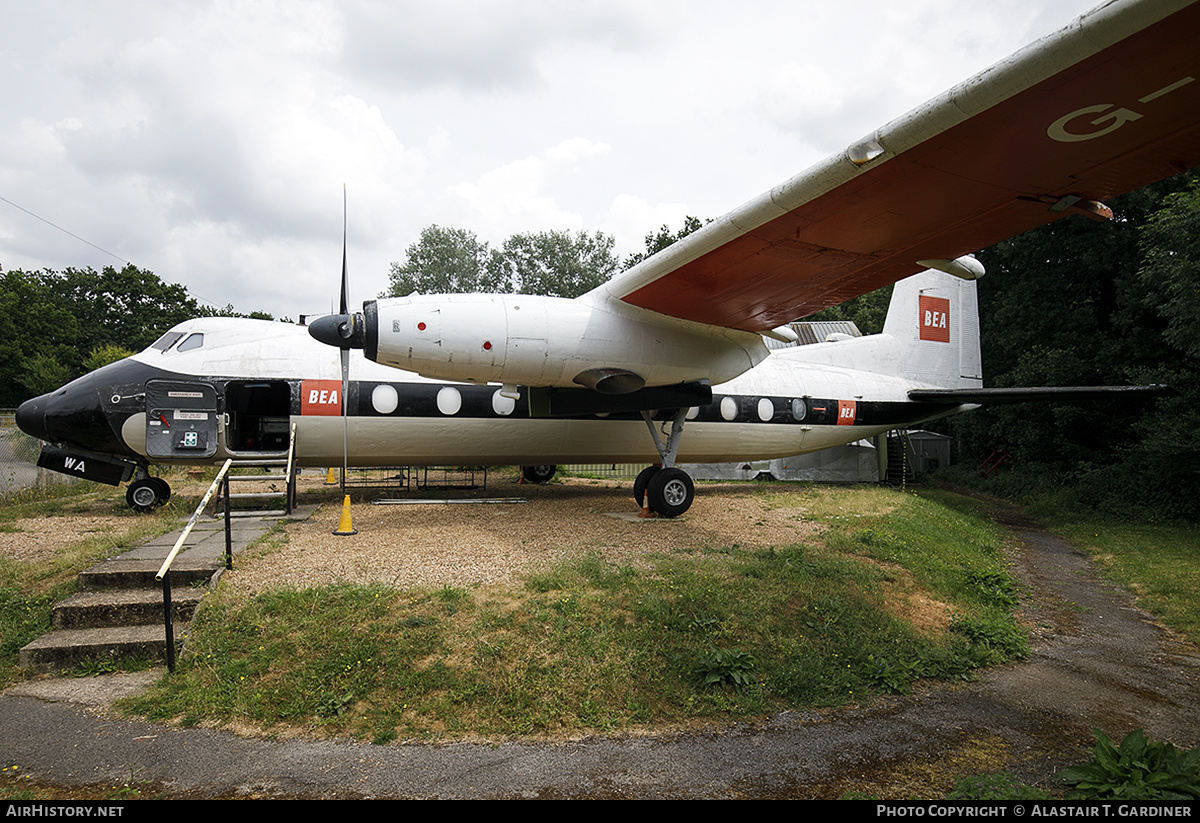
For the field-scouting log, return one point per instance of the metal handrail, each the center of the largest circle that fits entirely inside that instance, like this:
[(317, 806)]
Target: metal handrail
[(220, 481), (166, 566), (291, 472)]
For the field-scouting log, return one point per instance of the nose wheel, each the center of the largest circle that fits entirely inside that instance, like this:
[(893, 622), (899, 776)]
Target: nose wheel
[(147, 493)]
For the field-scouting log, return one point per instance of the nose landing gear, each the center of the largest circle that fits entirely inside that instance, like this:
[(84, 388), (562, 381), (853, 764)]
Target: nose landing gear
[(147, 493)]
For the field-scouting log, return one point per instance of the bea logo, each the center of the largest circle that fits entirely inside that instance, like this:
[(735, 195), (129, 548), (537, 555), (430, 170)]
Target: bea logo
[(321, 397), (847, 412), (934, 318)]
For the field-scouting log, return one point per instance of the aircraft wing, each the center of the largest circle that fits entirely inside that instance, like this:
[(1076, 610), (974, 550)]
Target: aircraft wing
[(1106, 105)]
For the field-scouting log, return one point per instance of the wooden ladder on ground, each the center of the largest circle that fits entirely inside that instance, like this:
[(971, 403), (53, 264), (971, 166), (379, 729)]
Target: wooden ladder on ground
[(899, 472)]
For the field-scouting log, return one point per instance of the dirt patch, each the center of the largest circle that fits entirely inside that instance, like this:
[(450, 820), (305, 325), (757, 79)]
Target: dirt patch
[(36, 539), (922, 611), (439, 544)]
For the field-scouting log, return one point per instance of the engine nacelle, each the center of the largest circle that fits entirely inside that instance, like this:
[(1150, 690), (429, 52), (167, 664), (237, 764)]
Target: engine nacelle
[(549, 341)]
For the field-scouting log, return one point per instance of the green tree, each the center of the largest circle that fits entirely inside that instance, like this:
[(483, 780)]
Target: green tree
[(1160, 468), (1170, 271), (103, 355), (1078, 302), (38, 331), (867, 311), (55, 326), (664, 237), (127, 307), (445, 261), (555, 263), (42, 372), (559, 264)]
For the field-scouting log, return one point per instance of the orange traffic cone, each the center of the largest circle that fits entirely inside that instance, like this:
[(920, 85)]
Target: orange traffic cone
[(344, 526), (645, 507)]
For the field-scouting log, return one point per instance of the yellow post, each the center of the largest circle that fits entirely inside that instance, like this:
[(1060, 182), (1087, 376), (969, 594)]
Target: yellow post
[(344, 526)]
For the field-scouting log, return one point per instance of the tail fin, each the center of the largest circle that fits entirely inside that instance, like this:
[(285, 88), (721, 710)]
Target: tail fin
[(935, 318)]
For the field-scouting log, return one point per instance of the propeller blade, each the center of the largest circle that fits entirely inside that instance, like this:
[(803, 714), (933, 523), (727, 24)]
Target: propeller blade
[(345, 305), (346, 331), (345, 408)]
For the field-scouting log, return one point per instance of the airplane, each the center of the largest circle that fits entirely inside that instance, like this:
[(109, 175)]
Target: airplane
[(1105, 105)]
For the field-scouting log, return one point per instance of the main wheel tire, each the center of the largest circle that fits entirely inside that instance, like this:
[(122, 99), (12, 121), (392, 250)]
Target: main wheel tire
[(145, 494), (164, 489), (642, 481), (538, 474), (670, 492)]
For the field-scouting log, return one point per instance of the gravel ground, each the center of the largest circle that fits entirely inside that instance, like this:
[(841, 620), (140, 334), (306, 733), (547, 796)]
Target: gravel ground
[(438, 544), (34, 540)]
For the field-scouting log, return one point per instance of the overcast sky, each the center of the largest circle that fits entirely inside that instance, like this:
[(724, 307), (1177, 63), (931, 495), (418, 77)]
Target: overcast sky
[(210, 141)]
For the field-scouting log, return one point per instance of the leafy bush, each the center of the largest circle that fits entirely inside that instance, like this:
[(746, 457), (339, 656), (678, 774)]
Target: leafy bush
[(889, 676), (1137, 769), (994, 587), (995, 634), (719, 667)]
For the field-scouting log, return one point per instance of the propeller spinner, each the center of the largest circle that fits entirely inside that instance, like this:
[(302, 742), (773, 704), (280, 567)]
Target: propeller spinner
[(343, 331)]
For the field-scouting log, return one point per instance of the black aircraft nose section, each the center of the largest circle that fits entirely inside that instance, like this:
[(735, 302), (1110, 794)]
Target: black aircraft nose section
[(31, 417), (73, 414), (76, 415)]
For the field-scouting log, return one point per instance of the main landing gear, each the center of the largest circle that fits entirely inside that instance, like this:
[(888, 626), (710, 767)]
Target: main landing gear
[(667, 489), (147, 493), (538, 474)]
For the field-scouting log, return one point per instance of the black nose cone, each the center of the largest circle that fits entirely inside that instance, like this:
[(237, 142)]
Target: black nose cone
[(343, 331), (31, 417)]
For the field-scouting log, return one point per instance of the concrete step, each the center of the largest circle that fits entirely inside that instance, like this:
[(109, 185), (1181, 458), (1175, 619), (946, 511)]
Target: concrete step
[(124, 607), (118, 611), (66, 648), (138, 573)]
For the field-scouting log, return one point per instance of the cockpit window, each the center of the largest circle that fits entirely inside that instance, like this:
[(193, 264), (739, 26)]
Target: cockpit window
[(167, 340), (194, 341)]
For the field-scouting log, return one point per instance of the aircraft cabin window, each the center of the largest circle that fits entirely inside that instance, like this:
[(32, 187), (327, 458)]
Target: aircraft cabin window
[(449, 400), (194, 341), (166, 341)]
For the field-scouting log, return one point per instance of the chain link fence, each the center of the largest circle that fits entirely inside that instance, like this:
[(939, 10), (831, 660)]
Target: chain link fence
[(18, 460)]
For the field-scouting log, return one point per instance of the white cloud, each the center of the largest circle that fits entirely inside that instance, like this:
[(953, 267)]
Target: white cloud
[(210, 141), (630, 218), (520, 195)]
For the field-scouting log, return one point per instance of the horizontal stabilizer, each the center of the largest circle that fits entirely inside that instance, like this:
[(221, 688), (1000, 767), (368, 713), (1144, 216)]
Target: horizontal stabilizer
[(1028, 394)]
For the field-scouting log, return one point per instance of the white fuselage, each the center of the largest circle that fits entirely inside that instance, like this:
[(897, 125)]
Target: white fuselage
[(795, 401)]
